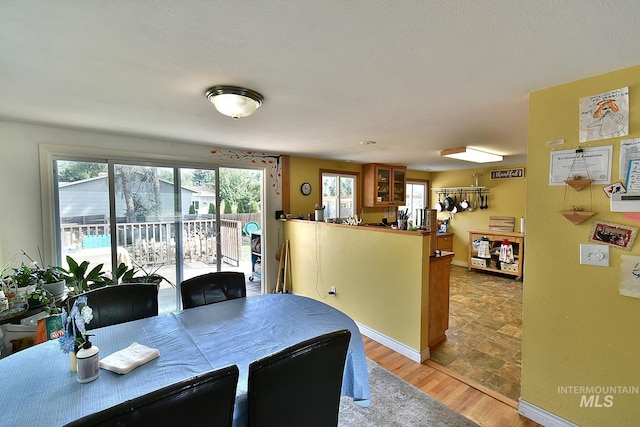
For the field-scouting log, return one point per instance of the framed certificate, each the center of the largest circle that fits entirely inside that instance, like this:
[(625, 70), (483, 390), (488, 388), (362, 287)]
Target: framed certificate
[(593, 163)]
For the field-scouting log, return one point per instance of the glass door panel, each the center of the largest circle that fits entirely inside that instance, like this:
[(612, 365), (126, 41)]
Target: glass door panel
[(240, 215), (83, 213), (399, 195), (384, 185), (145, 214), (199, 239)]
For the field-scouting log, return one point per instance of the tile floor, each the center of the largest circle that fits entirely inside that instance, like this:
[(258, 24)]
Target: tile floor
[(485, 330)]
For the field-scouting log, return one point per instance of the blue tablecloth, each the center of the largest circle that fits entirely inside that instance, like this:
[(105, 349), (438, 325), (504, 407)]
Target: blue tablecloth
[(38, 389)]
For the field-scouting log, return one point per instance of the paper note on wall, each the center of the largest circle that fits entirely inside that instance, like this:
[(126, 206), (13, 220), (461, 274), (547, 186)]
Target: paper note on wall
[(604, 115), (630, 276)]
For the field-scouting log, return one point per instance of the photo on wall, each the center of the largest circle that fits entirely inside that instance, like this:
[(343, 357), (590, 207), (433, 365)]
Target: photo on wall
[(617, 235)]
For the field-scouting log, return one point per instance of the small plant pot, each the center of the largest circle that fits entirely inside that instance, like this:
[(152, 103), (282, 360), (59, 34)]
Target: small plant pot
[(56, 289)]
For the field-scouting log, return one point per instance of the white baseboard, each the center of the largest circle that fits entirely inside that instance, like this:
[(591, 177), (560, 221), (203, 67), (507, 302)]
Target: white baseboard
[(394, 345), (460, 263), (525, 408), (541, 416)]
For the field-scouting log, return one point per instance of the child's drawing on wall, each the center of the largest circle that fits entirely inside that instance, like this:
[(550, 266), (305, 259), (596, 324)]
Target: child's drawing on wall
[(605, 115)]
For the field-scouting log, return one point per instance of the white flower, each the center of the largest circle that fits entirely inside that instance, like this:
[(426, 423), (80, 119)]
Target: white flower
[(87, 313)]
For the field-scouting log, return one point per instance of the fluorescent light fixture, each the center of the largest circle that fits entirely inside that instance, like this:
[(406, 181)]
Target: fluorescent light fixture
[(234, 101), (471, 155)]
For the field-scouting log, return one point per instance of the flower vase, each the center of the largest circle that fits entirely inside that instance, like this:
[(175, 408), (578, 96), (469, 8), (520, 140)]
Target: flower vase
[(73, 362)]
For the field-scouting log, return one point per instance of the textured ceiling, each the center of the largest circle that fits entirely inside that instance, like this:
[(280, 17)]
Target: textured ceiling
[(415, 76)]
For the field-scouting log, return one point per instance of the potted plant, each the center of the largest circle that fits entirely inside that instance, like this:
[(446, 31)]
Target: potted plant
[(52, 280), (80, 279), (33, 285), (23, 281), (42, 297), (24, 277), (28, 287), (139, 274)]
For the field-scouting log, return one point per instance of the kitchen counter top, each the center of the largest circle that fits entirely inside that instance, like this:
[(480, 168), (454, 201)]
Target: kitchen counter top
[(370, 227)]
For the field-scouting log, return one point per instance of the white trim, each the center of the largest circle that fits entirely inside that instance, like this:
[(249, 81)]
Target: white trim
[(190, 157), (394, 345), (541, 416)]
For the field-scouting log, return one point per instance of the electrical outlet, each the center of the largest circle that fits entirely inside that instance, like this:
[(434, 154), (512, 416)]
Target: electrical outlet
[(594, 255), (332, 291)]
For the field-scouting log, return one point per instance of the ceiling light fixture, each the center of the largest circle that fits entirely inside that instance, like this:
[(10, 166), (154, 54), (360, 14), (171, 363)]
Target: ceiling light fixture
[(234, 101), (471, 155)]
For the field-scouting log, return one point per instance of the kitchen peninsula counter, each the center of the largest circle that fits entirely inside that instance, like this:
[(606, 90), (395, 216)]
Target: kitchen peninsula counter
[(371, 227), (385, 279)]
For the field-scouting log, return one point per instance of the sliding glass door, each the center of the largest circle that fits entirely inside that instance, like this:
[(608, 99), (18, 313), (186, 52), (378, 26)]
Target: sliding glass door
[(160, 220)]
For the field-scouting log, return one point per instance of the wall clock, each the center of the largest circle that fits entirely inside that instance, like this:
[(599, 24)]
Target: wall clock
[(305, 188)]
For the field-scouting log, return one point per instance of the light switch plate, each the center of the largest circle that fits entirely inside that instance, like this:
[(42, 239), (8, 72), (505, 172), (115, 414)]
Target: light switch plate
[(594, 255)]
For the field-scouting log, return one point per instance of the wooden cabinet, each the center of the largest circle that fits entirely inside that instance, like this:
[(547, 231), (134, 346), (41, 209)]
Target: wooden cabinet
[(384, 185), (445, 242), (495, 241), (439, 275)]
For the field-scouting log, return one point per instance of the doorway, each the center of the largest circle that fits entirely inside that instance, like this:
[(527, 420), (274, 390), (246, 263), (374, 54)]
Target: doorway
[(164, 219), (485, 331)]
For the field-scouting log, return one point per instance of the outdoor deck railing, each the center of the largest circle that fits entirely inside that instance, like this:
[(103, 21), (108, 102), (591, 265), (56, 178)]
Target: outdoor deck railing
[(153, 243)]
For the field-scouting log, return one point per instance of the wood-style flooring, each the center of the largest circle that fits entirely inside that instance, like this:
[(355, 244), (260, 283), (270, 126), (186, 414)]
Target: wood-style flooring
[(475, 402)]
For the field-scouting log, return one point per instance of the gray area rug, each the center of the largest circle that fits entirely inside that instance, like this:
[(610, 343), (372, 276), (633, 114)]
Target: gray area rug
[(396, 403)]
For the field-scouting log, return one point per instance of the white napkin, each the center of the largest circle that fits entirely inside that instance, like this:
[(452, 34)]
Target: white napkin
[(127, 359)]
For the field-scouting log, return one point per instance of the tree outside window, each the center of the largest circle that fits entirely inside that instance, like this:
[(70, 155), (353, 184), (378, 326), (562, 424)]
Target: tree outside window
[(339, 194)]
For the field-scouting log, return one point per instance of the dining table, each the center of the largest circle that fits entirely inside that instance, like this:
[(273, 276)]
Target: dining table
[(39, 389)]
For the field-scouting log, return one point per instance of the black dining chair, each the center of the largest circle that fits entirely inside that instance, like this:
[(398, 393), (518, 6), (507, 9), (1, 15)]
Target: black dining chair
[(300, 385), (120, 303), (204, 399), (213, 287)]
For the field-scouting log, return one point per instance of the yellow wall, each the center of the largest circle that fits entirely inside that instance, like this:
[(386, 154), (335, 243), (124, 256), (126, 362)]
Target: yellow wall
[(304, 169), (380, 278), (577, 330), (507, 198)]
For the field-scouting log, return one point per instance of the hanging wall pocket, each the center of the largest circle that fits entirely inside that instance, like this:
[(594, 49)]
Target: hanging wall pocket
[(577, 213)]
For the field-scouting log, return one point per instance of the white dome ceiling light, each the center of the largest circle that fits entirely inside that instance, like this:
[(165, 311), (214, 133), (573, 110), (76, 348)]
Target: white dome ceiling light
[(234, 101)]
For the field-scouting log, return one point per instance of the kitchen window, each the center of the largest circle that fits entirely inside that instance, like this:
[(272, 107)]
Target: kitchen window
[(339, 194), (416, 199)]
